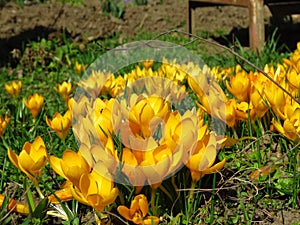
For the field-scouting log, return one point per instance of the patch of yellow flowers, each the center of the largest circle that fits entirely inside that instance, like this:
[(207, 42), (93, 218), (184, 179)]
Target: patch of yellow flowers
[(259, 95), (185, 139)]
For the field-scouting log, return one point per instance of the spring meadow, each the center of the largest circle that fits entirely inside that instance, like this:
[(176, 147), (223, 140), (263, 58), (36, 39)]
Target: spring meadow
[(153, 130)]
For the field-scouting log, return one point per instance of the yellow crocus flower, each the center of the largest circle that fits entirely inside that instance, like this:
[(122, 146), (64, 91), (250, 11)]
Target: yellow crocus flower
[(94, 84), (60, 124), (95, 190), (239, 85), (31, 159), (34, 103), (291, 125), (88, 187), (13, 88), (147, 63), (203, 157), (137, 213), (64, 89), (3, 123), (71, 166), (79, 68)]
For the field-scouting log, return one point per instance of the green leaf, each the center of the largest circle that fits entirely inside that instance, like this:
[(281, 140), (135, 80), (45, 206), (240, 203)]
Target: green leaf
[(176, 218), (40, 210), (29, 197)]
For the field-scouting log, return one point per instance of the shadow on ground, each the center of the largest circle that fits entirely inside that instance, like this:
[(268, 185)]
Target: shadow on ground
[(286, 34)]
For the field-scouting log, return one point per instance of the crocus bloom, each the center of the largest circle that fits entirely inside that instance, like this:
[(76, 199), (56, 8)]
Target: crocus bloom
[(79, 107), (294, 78), (3, 123), (15, 205), (147, 63), (143, 112), (64, 89), (79, 67), (88, 187), (230, 115), (137, 213), (13, 88), (202, 159), (60, 124), (257, 101), (31, 159), (71, 166), (290, 127), (239, 85), (275, 97), (95, 190), (34, 104), (94, 84)]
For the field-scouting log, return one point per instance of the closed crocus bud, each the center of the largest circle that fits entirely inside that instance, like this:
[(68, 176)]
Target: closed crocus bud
[(13, 88), (230, 114), (3, 123), (60, 124), (79, 68), (31, 159), (137, 213), (34, 103)]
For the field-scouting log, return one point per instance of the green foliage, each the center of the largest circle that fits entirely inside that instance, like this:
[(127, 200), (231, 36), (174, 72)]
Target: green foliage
[(113, 7), (116, 8)]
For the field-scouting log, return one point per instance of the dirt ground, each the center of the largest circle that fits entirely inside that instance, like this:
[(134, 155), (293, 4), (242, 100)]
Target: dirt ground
[(88, 19), (19, 24), (87, 22)]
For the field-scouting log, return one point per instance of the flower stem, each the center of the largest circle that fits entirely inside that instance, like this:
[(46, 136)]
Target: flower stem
[(38, 190), (153, 195), (191, 197)]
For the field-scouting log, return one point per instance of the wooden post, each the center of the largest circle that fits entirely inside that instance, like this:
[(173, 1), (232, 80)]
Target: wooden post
[(256, 24), (256, 17), (190, 16)]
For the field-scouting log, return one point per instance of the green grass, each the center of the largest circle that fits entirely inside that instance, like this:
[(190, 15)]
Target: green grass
[(229, 197)]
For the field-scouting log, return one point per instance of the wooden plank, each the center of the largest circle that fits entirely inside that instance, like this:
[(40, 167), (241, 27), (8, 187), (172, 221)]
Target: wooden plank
[(224, 2)]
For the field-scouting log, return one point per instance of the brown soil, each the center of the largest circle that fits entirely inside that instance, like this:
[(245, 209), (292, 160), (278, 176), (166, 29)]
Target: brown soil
[(88, 20), (19, 24)]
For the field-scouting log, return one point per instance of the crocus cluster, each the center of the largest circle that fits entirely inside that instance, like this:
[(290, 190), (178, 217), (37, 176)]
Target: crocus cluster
[(137, 125), (256, 95)]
